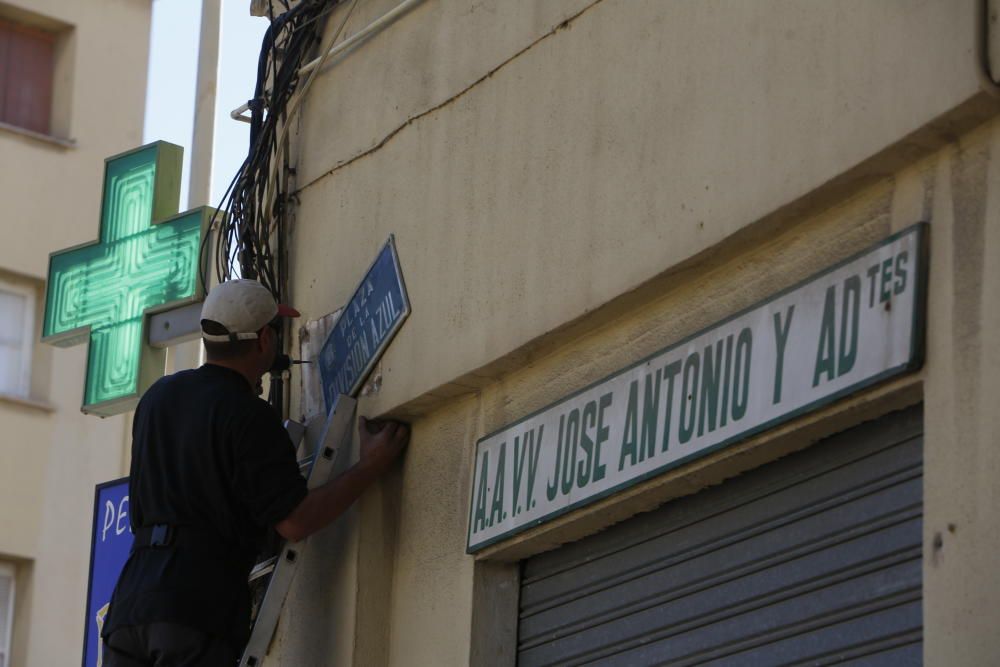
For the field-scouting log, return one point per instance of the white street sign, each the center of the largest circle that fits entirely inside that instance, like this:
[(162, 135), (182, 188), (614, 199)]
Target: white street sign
[(846, 328)]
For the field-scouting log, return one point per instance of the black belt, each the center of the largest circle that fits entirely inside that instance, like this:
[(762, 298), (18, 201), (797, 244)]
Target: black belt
[(158, 535), (188, 538), (167, 535)]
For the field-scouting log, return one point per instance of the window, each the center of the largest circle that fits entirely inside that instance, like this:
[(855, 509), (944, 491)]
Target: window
[(27, 65), (17, 324), (6, 611)]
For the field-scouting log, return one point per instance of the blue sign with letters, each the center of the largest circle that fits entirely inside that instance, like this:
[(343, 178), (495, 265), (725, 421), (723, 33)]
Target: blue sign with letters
[(109, 549), (365, 328)]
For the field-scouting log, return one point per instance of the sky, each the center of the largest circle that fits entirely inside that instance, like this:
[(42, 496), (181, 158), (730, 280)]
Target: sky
[(171, 84)]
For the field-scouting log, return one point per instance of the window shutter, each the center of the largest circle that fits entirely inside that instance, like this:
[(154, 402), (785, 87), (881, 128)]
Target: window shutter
[(5, 32), (6, 612), (30, 61), (13, 312)]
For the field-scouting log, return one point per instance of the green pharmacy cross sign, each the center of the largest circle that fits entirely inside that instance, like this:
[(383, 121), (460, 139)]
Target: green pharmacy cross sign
[(147, 260)]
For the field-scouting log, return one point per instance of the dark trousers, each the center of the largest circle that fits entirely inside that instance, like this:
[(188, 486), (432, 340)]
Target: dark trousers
[(166, 645)]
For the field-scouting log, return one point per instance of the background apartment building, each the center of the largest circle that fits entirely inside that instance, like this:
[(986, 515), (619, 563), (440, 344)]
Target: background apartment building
[(72, 91)]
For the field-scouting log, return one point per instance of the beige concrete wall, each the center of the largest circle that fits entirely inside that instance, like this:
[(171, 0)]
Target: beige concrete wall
[(53, 456), (581, 149), (27, 423), (26, 445), (575, 185), (961, 459), (433, 595), (83, 452), (433, 522)]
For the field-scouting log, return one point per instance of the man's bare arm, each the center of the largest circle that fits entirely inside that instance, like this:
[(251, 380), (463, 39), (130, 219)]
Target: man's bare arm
[(325, 503)]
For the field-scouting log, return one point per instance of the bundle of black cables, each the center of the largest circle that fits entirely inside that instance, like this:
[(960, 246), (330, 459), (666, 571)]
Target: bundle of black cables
[(255, 205), (252, 218)]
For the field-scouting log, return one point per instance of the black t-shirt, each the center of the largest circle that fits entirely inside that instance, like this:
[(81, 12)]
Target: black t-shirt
[(208, 454)]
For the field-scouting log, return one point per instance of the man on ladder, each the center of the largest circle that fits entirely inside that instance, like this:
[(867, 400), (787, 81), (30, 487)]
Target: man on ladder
[(212, 472)]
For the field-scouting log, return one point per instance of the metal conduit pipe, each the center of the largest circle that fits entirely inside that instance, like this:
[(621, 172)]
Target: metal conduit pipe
[(376, 25), (373, 27), (982, 50)]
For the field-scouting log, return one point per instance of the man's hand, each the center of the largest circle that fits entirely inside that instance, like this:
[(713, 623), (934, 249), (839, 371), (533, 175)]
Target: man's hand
[(381, 442)]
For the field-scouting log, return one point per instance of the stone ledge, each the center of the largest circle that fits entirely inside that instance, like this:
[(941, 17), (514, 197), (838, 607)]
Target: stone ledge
[(25, 402), (38, 136)]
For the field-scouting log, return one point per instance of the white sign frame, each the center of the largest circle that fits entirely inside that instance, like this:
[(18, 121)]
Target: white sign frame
[(852, 325)]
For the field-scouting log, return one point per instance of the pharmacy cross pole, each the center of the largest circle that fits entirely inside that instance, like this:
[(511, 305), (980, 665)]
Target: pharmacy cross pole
[(146, 260)]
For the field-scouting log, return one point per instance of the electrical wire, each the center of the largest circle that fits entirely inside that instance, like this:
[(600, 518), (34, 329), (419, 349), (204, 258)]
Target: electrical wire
[(251, 219), (250, 223)]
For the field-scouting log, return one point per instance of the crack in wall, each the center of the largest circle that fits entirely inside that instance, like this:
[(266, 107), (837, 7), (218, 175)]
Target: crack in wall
[(562, 25)]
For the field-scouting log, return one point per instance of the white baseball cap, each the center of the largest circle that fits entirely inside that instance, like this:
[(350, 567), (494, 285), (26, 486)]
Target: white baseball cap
[(243, 307)]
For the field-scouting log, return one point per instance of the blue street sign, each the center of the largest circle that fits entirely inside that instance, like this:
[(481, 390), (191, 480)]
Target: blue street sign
[(365, 328), (109, 549)]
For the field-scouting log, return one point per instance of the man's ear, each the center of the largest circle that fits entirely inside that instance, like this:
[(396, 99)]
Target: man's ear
[(262, 339)]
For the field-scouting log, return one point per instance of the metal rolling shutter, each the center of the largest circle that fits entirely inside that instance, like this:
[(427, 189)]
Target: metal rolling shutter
[(812, 559)]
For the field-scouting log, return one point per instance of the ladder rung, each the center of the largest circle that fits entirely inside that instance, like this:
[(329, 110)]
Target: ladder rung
[(305, 464), (262, 568)]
